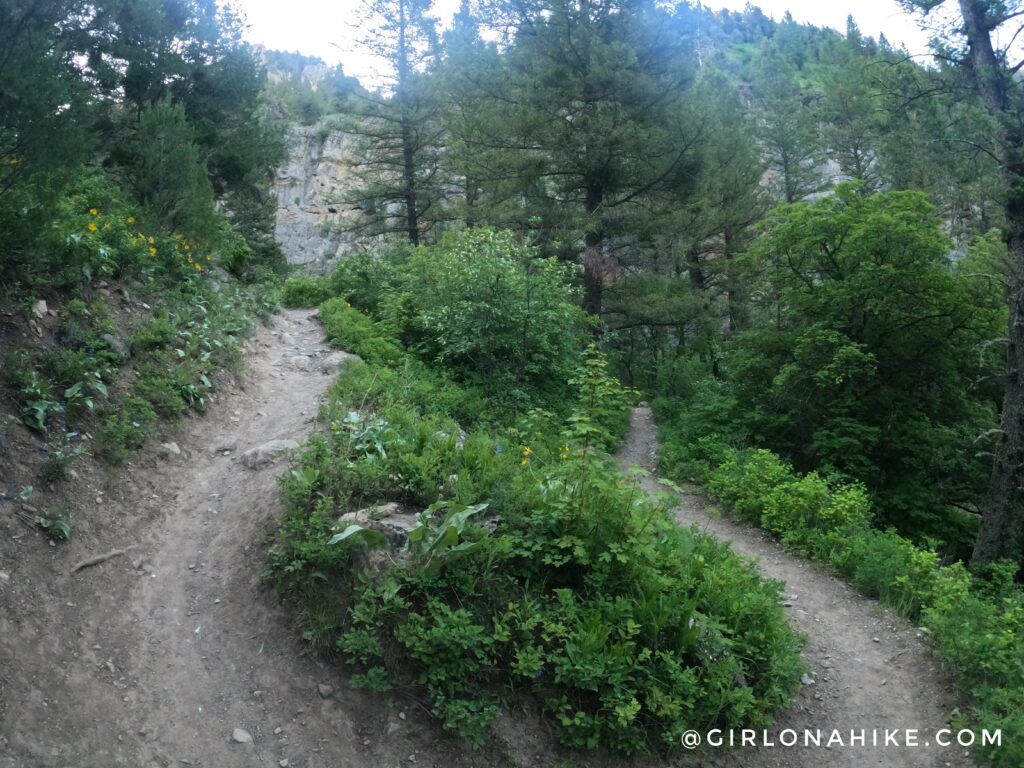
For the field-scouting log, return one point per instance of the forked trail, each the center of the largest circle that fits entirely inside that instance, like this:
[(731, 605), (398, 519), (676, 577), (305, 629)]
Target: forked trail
[(177, 654)]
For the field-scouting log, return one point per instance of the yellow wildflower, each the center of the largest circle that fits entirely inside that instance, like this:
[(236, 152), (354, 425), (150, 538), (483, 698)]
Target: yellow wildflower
[(131, 219), (93, 211), (527, 451), (524, 462), (152, 251), (92, 227), (151, 240)]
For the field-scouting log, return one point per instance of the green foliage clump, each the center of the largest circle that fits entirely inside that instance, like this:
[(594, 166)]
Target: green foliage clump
[(124, 429), (56, 521), (873, 358), (355, 331), (305, 291), (535, 566), (488, 309)]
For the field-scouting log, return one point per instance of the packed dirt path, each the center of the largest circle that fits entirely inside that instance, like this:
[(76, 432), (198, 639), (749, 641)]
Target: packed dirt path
[(870, 668), (155, 658)]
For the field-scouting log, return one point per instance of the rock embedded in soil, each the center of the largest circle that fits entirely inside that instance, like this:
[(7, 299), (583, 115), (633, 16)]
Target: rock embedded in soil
[(326, 691), (334, 362), (266, 454), (241, 736), (117, 346)]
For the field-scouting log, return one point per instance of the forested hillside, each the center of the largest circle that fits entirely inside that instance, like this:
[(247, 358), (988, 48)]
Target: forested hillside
[(804, 248)]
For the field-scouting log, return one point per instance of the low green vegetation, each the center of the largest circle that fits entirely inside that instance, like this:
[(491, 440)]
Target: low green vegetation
[(531, 565)]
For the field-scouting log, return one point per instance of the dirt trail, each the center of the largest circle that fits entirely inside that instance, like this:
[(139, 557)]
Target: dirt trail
[(155, 658), (871, 670)]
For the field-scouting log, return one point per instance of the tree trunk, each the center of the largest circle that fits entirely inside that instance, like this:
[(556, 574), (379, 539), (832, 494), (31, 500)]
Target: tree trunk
[(595, 263), (1002, 523), (412, 224), (404, 69)]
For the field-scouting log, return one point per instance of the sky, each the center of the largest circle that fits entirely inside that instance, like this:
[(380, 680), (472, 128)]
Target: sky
[(329, 29)]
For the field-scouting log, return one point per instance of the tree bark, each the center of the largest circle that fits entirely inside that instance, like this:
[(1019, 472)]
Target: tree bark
[(412, 223), (1002, 523), (595, 263)]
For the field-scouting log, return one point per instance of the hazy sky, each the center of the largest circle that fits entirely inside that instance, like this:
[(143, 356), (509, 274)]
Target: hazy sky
[(325, 29)]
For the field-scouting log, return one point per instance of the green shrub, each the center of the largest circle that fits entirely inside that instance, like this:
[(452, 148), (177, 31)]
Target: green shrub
[(306, 291), (56, 521), (162, 389), (536, 567), (157, 333), (355, 332), (364, 279), (125, 429), (60, 455), (485, 307)]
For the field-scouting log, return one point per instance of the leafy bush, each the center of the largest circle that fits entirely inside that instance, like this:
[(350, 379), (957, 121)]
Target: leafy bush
[(366, 278), (125, 429), (306, 291), (60, 455), (354, 331), (56, 521), (484, 306), (536, 566)]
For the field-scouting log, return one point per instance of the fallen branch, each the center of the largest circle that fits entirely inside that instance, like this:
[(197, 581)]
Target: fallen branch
[(91, 561)]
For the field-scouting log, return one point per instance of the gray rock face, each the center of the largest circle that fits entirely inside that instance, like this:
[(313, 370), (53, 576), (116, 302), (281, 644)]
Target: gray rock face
[(311, 186), (266, 454)]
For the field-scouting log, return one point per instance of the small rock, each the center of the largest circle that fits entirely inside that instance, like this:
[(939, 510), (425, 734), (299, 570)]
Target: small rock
[(806, 679), (300, 363), (40, 309), (110, 667), (283, 763), (5, 578), (875, 640), (169, 449), (278, 731), (117, 346), (334, 362), (287, 338), (241, 736), (266, 454), (401, 715), (326, 691)]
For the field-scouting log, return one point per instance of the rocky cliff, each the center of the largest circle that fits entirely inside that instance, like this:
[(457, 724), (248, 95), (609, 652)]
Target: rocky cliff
[(313, 225)]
